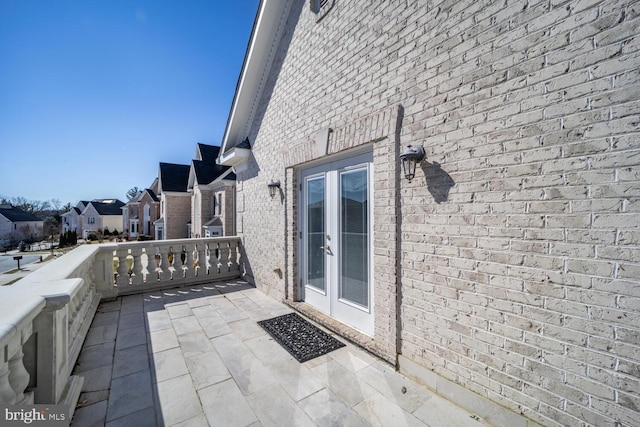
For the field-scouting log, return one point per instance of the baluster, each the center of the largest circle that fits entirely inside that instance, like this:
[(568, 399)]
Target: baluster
[(195, 255), (7, 395), (136, 271), (207, 259), (116, 264), (123, 276), (171, 258), (233, 256), (183, 261), (229, 255), (158, 261), (218, 258), (19, 377), (144, 263)]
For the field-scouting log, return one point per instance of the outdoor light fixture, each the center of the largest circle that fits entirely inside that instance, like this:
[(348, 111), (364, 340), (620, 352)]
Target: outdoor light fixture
[(274, 186), (410, 158)]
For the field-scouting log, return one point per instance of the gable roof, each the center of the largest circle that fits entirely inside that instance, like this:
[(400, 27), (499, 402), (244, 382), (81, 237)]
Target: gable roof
[(73, 210), (207, 153), (108, 208), (151, 194), (140, 195), (207, 172), (267, 31), (15, 214), (174, 177)]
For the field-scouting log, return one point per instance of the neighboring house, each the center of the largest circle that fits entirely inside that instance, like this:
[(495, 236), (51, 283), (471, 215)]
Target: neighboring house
[(101, 214), (17, 224), (506, 274), (141, 212), (175, 202), (72, 220), (212, 188)]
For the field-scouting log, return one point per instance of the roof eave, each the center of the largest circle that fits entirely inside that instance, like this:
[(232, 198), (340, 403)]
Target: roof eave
[(236, 158), (265, 37)]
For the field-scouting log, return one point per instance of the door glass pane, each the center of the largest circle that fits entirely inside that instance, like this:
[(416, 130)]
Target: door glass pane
[(354, 237), (315, 233)]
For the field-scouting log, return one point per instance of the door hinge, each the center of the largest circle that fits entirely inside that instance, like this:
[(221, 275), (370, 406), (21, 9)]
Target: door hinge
[(301, 234)]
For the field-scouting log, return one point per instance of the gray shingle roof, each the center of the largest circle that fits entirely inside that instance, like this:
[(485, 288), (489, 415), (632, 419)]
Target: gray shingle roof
[(208, 152), (207, 172), (108, 208), (14, 214), (174, 177)]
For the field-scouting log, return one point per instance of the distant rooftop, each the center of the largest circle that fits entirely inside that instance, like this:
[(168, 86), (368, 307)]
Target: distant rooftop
[(15, 214)]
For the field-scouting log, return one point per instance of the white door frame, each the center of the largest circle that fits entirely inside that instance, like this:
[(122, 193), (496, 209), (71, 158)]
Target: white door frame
[(328, 301)]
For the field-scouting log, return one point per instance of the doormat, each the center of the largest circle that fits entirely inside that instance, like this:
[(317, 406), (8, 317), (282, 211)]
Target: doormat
[(300, 338)]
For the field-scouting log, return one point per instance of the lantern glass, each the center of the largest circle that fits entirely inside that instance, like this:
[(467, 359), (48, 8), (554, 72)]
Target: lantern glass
[(410, 158)]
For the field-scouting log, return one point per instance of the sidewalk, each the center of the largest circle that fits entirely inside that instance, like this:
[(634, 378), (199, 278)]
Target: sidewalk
[(9, 275)]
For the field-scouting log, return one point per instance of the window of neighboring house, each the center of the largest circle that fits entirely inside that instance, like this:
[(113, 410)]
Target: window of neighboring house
[(91, 220), (219, 203), (213, 204), (321, 7)]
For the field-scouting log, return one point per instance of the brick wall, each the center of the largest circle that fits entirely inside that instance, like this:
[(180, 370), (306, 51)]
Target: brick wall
[(227, 210), (518, 240), (177, 215)]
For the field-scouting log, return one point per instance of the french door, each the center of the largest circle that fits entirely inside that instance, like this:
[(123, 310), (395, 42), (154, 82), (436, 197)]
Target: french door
[(336, 239)]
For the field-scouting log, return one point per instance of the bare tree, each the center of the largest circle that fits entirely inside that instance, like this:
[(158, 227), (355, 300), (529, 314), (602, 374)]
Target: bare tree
[(133, 192)]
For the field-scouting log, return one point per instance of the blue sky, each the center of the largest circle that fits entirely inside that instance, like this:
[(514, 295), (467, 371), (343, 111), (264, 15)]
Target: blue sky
[(94, 94)]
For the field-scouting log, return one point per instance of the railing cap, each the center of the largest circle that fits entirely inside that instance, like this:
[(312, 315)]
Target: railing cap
[(16, 313)]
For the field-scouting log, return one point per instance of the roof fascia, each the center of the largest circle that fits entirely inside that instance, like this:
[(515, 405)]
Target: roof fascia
[(265, 37)]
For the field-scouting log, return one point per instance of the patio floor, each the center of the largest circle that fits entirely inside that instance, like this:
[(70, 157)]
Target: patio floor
[(196, 357)]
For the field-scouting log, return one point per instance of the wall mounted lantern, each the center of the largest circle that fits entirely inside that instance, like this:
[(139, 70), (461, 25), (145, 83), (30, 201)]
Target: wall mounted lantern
[(274, 187), (410, 158)]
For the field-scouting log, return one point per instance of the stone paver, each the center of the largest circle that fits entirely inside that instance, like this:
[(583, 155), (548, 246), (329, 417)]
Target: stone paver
[(196, 357)]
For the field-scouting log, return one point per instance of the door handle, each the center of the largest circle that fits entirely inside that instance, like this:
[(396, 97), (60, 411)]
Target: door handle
[(326, 248)]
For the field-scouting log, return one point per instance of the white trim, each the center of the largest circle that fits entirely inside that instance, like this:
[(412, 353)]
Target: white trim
[(262, 49), (329, 302), (236, 158)]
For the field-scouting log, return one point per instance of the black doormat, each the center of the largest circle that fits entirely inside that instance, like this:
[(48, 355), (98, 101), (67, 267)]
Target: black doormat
[(300, 338)]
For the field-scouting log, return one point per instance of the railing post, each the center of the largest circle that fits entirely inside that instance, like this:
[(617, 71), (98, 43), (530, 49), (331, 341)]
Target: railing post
[(103, 274), (51, 328)]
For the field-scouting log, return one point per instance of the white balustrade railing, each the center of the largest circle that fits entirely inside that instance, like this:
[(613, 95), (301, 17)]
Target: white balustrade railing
[(45, 317), (142, 266)]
